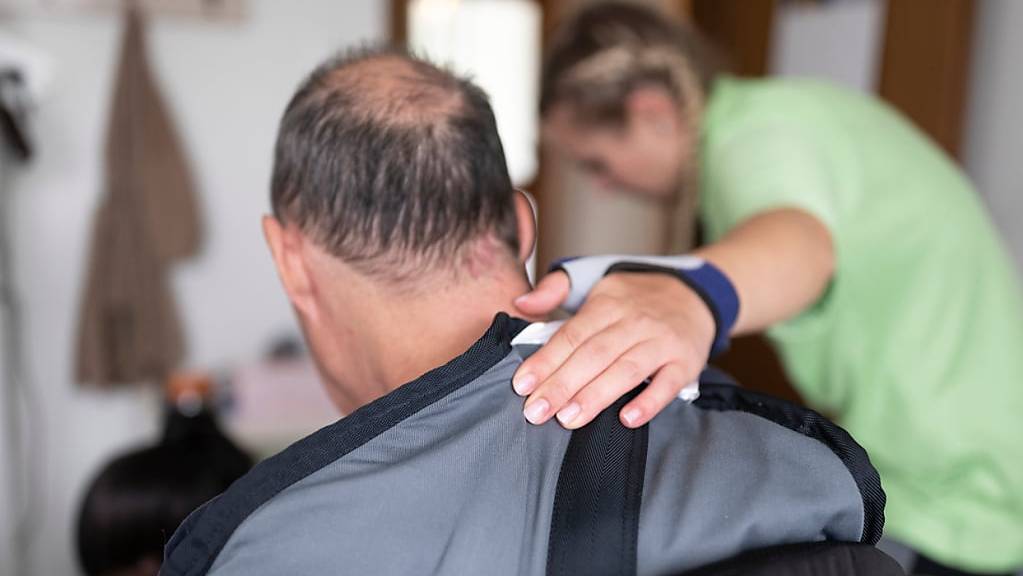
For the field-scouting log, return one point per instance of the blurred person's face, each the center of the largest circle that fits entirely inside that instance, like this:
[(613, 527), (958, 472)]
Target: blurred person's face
[(649, 154)]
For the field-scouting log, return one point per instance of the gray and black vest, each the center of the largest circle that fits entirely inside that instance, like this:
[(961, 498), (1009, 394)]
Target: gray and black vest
[(444, 476)]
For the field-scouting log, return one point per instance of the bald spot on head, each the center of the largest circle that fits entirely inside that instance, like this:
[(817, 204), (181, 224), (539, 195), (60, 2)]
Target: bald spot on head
[(392, 165), (394, 90)]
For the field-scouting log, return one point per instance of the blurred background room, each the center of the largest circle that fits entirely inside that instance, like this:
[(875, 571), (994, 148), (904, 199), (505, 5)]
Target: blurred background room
[(101, 98)]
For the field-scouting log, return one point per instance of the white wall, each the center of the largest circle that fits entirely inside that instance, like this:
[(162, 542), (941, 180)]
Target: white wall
[(993, 151), (838, 41), (226, 85)]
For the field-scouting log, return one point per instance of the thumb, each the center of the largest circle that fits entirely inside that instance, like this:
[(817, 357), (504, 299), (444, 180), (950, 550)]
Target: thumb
[(547, 296)]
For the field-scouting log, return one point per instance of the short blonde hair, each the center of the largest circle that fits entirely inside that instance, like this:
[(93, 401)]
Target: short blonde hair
[(606, 51)]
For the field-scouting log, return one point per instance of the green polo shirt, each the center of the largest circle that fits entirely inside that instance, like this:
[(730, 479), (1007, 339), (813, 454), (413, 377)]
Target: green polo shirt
[(917, 345)]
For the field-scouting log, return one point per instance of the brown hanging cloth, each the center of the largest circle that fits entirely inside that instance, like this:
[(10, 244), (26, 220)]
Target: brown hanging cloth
[(128, 327)]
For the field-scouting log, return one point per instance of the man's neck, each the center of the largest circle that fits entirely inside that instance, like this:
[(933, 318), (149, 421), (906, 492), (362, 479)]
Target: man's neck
[(404, 335)]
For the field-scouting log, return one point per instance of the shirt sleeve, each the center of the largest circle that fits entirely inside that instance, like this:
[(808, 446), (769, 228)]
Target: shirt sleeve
[(768, 165)]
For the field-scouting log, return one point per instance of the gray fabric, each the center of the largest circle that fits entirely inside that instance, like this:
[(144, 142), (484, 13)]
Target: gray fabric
[(721, 482), (462, 487), (466, 486)]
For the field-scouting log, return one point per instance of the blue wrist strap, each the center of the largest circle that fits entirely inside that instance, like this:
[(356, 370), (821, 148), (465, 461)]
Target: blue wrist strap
[(705, 279)]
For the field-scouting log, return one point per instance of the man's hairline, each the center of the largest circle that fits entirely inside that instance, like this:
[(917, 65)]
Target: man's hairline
[(408, 279)]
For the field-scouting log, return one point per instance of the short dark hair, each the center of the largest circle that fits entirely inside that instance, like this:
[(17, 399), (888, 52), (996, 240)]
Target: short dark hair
[(391, 163), (640, 46)]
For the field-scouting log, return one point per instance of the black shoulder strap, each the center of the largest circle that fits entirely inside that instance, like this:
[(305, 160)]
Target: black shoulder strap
[(595, 523)]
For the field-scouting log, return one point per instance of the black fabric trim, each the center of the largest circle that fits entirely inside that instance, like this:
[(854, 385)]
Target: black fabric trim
[(811, 424), (595, 519), (193, 553)]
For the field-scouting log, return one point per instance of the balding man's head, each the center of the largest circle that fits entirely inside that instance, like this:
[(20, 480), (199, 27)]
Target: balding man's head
[(394, 210), (392, 165)]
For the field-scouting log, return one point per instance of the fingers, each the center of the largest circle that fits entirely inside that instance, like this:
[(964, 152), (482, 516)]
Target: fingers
[(549, 293), (585, 363), (591, 319), (629, 328), (625, 373), (664, 388)]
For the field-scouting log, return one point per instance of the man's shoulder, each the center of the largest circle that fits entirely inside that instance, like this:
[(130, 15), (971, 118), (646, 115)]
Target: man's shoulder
[(738, 470), (744, 422), (792, 421), (282, 485), (197, 543)]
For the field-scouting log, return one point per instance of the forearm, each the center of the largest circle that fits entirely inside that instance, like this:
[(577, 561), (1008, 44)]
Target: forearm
[(780, 263), (633, 325)]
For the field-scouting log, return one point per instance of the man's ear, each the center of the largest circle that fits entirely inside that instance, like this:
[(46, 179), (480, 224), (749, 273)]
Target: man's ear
[(525, 216), (652, 106), (287, 246)]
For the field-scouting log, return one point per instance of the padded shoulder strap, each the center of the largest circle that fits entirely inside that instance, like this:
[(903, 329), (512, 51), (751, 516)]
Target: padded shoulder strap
[(595, 522)]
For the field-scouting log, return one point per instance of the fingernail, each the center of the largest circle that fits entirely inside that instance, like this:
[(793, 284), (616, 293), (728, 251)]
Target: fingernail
[(568, 414), (631, 416), (536, 411), (521, 299), (524, 384)]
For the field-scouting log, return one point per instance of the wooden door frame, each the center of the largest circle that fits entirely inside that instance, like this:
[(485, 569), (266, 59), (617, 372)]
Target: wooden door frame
[(925, 65)]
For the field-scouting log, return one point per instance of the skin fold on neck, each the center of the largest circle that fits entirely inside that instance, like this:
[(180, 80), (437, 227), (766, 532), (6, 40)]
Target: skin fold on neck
[(376, 337)]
